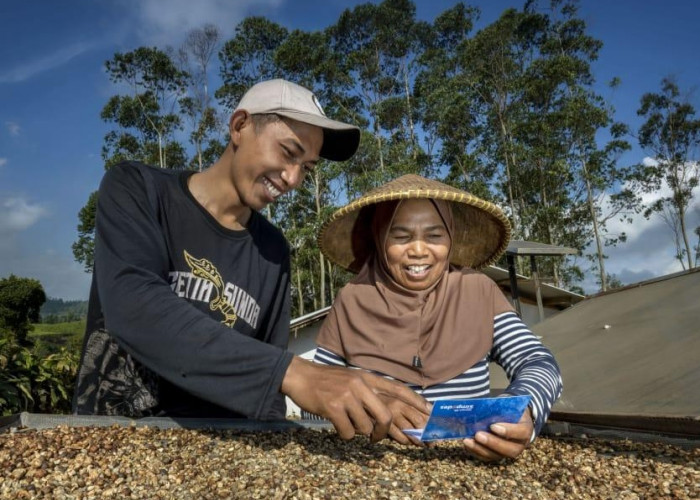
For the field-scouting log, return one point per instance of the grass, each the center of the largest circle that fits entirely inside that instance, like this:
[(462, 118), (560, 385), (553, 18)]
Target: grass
[(67, 328), (51, 337)]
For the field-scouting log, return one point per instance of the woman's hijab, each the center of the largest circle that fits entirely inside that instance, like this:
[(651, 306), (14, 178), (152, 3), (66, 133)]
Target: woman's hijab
[(422, 337)]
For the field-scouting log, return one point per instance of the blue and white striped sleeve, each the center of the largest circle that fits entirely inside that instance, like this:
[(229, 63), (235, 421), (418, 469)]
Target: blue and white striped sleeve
[(529, 365), (326, 357)]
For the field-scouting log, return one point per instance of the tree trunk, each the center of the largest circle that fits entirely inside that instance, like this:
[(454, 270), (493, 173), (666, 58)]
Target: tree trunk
[(684, 233), (321, 259), (509, 177), (300, 295), (160, 150), (330, 281), (596, 230), (409, 113)]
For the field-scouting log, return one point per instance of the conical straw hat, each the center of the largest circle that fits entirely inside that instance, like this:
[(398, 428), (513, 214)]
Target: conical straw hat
[(481, 229)]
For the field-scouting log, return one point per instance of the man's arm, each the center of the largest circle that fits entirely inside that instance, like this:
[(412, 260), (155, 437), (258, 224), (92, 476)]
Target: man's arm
[(351, 399)]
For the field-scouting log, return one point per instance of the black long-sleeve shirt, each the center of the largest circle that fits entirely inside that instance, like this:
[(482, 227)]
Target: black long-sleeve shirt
[(186, 317)]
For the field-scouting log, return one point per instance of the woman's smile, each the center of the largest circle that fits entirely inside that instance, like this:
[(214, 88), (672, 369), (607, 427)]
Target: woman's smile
[(417, 245)]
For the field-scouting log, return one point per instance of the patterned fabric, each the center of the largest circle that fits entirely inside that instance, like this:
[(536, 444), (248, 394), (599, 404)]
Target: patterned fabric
[(123, 386), (529, 365)]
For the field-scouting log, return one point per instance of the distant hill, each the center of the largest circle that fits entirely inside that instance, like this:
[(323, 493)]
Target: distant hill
[(59, 310)]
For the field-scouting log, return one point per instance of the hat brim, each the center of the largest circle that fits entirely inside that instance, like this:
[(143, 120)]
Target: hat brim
[(340, 140), (481, 229)]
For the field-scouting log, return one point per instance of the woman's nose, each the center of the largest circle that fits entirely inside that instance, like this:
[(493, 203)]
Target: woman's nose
[(417, 247)]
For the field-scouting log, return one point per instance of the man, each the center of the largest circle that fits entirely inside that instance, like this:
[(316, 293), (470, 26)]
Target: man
[(189, 305)]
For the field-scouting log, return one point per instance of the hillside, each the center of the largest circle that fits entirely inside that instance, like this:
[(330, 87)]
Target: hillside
[(59, 310)]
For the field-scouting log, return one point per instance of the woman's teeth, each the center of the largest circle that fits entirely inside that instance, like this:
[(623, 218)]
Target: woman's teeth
[(417, 269)]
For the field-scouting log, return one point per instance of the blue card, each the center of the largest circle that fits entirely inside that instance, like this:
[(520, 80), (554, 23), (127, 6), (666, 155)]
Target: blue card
[(462, 418)]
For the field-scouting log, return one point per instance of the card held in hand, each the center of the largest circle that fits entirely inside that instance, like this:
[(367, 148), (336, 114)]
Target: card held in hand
[(462, 418)]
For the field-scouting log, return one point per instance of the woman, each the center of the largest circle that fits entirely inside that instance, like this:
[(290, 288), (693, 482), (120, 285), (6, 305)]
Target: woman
[(420, 312)]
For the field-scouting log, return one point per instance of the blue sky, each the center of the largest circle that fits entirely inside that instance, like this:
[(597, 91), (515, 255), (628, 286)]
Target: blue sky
[(53, 86)]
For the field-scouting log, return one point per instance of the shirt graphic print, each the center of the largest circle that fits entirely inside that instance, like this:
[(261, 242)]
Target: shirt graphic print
[(204, 284)]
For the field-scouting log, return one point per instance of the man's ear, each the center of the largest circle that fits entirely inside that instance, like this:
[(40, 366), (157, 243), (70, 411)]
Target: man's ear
[(239, 120)]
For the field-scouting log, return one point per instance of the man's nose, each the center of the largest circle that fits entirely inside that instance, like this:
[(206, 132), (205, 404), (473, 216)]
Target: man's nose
[(292, 175)]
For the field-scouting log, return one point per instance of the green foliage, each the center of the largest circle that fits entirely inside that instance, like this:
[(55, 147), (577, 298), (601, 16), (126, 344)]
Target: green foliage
[(249, 58), (32, 378), (671, 132), (508, 113), (84, 246), (35, 384), (20, 302)]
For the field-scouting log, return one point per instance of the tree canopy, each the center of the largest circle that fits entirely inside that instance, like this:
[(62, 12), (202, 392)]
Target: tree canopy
[(509, 113)]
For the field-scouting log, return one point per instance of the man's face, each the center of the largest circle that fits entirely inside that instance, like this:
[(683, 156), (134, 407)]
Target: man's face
[(417, 245), (272, 160)]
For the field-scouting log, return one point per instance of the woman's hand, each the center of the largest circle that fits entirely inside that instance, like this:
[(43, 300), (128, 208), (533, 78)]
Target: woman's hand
[(504, 440)]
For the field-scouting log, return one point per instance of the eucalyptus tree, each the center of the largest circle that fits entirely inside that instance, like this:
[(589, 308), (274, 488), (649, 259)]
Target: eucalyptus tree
[(249, 58), (195, 56), (671, 133), (600, 191), (148, 116), (144, 119), (449, 118), (380, 48), (562, 118), (492, 64)]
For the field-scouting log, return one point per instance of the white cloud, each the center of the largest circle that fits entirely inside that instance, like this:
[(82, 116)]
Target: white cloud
[(37, 66), (3, 162), (650, 249), (21, 255), (17, 214), (166, 22), (649, 162), (13, 128)]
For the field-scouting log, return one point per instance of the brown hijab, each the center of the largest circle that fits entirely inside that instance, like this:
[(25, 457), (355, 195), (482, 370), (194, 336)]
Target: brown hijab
[(421, 337)]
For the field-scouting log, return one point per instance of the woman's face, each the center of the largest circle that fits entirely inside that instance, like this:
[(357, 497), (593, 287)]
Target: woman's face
[(417, 245)]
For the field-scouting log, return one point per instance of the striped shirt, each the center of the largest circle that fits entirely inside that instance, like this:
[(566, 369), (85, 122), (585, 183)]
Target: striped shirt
[(529, 365)]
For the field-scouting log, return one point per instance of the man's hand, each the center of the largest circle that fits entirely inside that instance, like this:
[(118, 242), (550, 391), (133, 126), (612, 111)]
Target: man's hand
[(504, 440), (355, 401), (405, 416)]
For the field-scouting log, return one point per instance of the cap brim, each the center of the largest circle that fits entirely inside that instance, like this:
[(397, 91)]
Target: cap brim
[(340, 140)]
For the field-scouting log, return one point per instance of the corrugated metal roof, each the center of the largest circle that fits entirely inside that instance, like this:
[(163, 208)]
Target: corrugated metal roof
[(634, 350)]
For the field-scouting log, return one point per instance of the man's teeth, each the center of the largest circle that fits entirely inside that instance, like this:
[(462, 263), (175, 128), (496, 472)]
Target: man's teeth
[(272, 189), (417, 269)]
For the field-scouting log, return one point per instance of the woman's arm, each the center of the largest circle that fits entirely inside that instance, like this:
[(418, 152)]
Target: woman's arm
[(529, 365)]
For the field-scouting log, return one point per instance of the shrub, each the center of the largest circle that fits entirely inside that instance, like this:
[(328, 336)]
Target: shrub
[(35, 384)]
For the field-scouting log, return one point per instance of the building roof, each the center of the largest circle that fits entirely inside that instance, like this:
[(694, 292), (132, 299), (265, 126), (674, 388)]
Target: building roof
[(552, 296), (632, 350)]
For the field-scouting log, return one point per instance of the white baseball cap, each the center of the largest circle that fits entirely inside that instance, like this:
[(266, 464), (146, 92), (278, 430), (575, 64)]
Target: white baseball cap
[(340, 140)]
